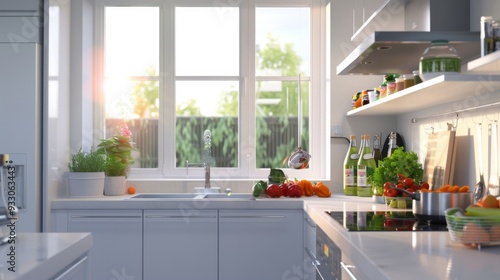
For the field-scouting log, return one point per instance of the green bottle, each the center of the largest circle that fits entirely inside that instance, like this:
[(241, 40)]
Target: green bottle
[(351, 168), (366, 168)]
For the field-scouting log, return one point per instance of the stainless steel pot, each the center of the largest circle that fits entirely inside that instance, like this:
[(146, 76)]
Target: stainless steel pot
[(430, 206)]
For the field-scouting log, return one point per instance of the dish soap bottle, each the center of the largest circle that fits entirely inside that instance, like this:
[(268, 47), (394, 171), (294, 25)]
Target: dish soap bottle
[(366, 168), (351, 168)]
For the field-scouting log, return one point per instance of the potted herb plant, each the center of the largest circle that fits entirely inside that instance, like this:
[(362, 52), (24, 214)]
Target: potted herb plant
[(86, 174), (118, 150)]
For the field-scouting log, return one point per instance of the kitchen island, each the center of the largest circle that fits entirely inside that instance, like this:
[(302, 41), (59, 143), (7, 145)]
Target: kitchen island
[(376, 255), (45, 256)]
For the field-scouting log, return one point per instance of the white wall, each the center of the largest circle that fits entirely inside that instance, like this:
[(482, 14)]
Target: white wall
[(343, 87), (466, 164)]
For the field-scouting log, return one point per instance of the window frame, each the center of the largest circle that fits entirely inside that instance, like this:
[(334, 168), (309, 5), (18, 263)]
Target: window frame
[(319, 105)]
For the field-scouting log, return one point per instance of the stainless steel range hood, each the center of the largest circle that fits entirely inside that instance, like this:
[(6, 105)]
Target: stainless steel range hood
[(400, 52), (403, 30)]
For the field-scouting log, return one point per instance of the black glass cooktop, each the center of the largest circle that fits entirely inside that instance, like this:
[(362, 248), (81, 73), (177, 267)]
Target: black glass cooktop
[(383, 221)]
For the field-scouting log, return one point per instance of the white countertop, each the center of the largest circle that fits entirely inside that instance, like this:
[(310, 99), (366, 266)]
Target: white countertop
[(43, 255), (403, 255), (380, 255)]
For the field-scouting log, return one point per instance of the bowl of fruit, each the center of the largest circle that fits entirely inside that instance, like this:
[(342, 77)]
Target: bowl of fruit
[(478, 225)]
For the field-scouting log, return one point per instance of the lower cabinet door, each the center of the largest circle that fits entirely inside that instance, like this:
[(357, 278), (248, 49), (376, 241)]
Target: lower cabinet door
[(116, 252), (77, 271), (260, 244), (180, 245)]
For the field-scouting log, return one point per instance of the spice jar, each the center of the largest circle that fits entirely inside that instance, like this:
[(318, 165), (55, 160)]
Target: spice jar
[(391, 84), (409, 80), (438, 59), (416, 77), (400, 83)]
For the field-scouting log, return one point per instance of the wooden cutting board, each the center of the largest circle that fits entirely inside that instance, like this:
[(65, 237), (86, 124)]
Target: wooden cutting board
[(439, 161)]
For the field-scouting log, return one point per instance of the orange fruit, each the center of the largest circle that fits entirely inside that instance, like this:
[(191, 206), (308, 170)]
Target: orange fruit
[(495, 233), (489, 201), (131, 190)]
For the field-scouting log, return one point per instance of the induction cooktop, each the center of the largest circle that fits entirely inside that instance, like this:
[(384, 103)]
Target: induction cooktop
[(383, 221)]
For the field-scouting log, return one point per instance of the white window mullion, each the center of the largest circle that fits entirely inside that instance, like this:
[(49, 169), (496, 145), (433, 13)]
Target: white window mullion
[(167, 95)]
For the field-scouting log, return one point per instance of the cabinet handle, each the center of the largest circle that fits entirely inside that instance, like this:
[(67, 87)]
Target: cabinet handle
[(310, 222), (178, 217), (347, 268), (315, 261), (72, 268), (256, 217), (82, 217)]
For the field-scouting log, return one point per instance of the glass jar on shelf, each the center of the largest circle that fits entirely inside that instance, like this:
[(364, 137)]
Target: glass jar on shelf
[(438, 59), (409, 80)]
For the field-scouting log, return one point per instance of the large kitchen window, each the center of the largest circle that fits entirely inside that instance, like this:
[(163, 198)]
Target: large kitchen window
[(252, 72)]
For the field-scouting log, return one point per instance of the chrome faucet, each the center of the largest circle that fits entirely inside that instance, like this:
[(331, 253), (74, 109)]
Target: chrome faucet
[(206, 162), (207, 157)]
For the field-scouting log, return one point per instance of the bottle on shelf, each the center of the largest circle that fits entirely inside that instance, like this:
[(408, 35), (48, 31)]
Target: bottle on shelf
[(391, 83), (366, 98), (383, 88), (392, 144), (377, 155), (351, 168), (366, 168), (487, 37)]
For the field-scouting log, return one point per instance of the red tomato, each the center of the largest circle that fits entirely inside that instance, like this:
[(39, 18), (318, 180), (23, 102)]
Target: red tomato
[(409, 182), (294, 191), (390, 223), (387, 185), (424, 185), (401, 186), (274, 190), (392, 193), (401, 176), (284, 188)]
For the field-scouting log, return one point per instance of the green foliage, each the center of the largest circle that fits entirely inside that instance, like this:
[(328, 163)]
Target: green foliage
[(92, 161), (145, 96), (229, 104), (115, 167), (400, 162), (274, 57), (118, 150), (190, 109)]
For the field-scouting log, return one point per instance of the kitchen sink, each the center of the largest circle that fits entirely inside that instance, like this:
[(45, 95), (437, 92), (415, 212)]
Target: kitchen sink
[(230, 196), (192, 196)]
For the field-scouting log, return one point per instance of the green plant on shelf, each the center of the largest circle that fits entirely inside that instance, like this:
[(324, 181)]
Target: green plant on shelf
[(92, 161), (118, 150)]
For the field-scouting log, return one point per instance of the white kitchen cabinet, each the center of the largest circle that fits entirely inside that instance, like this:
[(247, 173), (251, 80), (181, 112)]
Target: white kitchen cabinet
[(309, 248), (260, 244), (77, 271), (117, 241), (20, 5), (180, 246)]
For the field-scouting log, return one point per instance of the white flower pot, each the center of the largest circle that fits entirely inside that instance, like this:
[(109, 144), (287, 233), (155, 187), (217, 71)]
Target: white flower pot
[(86, 184), (115, 185)]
